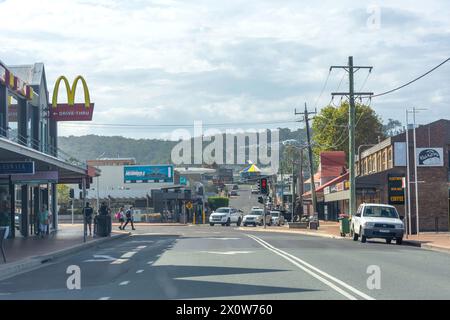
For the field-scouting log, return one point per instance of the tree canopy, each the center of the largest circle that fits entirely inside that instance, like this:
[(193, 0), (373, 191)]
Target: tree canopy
[(330, 128)]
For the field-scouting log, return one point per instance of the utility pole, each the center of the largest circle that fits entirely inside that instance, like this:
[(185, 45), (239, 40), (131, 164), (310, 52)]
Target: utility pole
[(293, 189), (408, 185), (351, 69), (310, 155)]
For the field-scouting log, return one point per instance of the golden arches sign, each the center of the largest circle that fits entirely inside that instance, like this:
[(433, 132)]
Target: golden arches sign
[(71, 111), (71, 91)]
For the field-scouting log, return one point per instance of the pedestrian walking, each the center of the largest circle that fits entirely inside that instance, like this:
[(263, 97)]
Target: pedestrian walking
[(129, 216), (43, 221), (121, 217), (88, 213)]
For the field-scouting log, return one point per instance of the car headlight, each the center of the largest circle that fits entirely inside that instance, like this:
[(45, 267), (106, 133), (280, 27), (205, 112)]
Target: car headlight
[(399, 226), (368, 225)]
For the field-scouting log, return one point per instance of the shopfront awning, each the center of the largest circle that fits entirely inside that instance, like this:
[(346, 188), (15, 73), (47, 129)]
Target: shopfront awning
[(66, 172)]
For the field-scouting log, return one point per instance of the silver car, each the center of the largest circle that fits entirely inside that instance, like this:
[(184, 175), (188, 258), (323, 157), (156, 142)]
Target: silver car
[(277, 218)]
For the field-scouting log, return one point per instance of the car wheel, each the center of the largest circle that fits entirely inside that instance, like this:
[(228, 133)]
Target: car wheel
[(354, 235), (363, 238), (399, 241), (238, 223), (388, 241), (228, 222), (211, 224), (245, 224)]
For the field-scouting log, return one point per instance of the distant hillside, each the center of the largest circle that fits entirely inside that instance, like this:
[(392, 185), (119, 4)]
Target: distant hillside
[(148, 151)]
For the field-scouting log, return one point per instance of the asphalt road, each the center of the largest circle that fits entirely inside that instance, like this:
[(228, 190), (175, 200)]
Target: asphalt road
[(203, 262)]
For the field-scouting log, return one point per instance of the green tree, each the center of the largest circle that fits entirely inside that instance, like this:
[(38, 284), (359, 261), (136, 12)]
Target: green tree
[(63, 193), (330, 128), (392, 128)]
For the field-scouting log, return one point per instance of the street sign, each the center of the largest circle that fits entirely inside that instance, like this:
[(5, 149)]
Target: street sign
[(23, 167), (148, 174), (183, 180)]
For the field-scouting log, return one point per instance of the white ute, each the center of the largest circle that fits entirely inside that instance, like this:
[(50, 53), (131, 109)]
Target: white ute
[(377, 221), (225, 216)]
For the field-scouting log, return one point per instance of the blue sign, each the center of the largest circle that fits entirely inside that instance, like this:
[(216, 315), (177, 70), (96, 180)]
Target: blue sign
[(10, 168), (183, 180), (146, 174)]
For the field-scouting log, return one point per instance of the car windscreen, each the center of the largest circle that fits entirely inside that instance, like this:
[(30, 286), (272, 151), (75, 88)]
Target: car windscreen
[(257, 212), (222, 210), (380, 212)]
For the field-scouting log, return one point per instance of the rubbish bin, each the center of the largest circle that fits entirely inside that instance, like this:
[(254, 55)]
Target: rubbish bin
[(103, 225), (344, 225)]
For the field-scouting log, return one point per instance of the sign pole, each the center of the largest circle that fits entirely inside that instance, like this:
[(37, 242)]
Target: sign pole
[(72, 211)]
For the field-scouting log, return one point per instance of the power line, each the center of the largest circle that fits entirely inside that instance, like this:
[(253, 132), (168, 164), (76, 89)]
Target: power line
[(412, 81)]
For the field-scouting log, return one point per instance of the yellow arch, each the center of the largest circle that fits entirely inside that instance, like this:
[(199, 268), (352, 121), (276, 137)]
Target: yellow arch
[(87, 99), (56, 89)]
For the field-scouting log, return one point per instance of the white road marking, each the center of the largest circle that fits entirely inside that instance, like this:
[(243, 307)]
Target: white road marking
[(100, 258), (227, 252), (140, 271), (142, 241), (313, 271), (150, 262), (119, 261), (128, 254), (124, 283), (222, 238), (104, 298), (141, 247)]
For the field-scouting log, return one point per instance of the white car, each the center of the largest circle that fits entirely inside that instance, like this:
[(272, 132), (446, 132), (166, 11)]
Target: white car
[(377, 221), (277, 218), (225, 216), (256, 217)]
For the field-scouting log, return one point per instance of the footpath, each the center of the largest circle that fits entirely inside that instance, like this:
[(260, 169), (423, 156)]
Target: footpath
[(24, 254), (330, 229)]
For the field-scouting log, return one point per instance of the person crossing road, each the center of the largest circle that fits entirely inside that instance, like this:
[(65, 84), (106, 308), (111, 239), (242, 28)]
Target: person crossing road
[(129, 215)]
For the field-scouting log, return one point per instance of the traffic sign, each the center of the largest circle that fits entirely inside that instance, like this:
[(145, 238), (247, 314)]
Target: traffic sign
[(189, 205)]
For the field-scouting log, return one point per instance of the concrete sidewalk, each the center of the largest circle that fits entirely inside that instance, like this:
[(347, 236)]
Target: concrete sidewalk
[(23, 254), (330, 229)]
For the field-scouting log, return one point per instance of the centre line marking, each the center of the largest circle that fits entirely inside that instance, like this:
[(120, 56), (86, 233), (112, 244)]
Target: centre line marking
[(313, 271), (104, 298), (124, 283), (140, 271), (150, 262)]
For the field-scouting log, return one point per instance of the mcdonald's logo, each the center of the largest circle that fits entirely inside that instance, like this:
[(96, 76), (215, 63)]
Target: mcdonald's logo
[(71, 111), (71, 91)]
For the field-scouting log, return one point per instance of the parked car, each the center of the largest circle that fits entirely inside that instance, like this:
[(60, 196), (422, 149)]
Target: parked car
[(277, 218), (235, 187), (377, 221), (255, 190), (225, 216), (233, 193), (255, 217)]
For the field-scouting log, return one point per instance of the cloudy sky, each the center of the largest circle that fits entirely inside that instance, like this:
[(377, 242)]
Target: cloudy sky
[(169, 62)]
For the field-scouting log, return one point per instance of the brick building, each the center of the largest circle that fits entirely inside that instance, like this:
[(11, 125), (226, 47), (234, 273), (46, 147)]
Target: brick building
[(387, 161)]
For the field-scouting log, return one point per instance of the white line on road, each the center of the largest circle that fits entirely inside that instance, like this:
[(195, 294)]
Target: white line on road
[(313, 271), (227, 252), (119, 261), (104, 298), (128, 254), (141, 247), (150, 262), (124, 283), (140, 271)]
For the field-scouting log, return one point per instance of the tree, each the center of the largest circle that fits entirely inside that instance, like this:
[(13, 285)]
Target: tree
[(392, 128), (63, 193), (330, 128)]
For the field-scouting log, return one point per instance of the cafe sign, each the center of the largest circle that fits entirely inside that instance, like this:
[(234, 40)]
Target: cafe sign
[(396, 192)]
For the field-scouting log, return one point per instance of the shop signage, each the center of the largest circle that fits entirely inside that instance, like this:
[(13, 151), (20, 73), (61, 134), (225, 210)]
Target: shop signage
[(183, 180), (15, 84), (396, 193), (146, 174), (13, 168), (71, 111), (38, 177), (430, 157)]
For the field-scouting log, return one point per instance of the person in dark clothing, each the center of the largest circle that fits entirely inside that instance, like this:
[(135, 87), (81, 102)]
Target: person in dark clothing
[(88, 212), (104, 210), (129, 217)]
